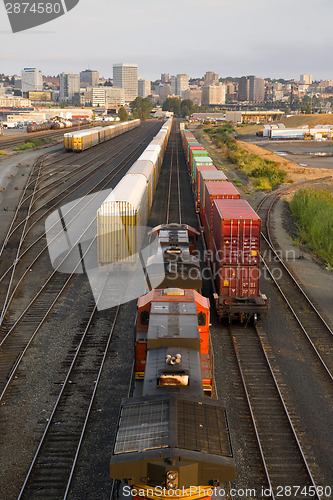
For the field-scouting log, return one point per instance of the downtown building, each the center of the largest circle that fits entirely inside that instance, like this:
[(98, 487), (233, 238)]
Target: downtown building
[(179, 83), (31, 79), (90, 77), (69, 87), (144, 88), (125, 76)]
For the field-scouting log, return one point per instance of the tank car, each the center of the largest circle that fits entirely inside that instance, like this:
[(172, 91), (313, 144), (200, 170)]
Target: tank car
[(171, 439)]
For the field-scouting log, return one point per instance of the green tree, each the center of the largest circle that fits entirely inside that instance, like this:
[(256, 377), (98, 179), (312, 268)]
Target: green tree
[(141, 108), (187, 107), (122, 114), (172, 104)]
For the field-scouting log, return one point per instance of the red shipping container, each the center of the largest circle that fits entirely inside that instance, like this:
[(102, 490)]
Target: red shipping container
[(204, 177), (236, 233), (237, 281), (195, 147), (198, 169), (215, 191)]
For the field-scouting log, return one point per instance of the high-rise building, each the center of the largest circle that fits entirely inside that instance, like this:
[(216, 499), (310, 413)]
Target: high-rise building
[(213, 94), (306, 79), (259, 90), (179, 83), (32, 79), (144, 88), (244, 89), (165, 78), (211, 78), (69, 86), (90, 76), (126, 77)]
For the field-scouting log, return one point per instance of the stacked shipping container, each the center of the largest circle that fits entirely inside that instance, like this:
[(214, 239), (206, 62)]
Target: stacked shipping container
[(231, 230)]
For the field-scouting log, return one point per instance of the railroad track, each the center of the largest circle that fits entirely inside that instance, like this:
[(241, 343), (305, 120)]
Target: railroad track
[(16, 141), (284, 462), (46, 295), (52, 467), (311, 322)]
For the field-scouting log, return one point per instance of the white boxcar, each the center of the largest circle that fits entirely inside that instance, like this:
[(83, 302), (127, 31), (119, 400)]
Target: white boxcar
[(146, 168), (120, 220)]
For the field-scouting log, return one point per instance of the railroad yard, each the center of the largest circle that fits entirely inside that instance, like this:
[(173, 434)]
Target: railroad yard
[(65, 366)]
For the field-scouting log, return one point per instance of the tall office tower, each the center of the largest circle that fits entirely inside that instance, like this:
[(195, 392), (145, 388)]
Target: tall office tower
[(69, 86), (32, 79), (90, 76), (259, 90), (211, 78), (256, 89), (306, 79), (244, 89), (144, 88), (126, 77)]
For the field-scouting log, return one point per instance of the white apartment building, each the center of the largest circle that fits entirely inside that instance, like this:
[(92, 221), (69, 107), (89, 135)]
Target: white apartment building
[(126, 77)]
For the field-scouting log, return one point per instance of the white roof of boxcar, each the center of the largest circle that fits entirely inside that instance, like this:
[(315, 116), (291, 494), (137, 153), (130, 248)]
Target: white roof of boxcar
[(81, 133), (143, 167), (149, 156), (153, 147), (130, 190)]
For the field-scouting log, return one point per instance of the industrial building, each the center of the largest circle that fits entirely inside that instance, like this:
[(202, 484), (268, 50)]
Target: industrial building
[(126, 77), (253, 116)]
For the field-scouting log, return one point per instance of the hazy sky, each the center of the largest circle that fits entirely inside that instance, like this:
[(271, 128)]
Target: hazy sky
[(281, 38)]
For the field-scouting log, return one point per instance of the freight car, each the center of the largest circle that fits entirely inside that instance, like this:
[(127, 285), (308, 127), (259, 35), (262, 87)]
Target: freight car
[(122, 217), (172, 438), (173, 262), (231, 231), (85, 139)]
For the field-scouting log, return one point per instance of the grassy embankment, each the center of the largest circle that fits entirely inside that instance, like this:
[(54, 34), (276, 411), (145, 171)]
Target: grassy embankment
[(32, 143), (264, 174), (313, 210)]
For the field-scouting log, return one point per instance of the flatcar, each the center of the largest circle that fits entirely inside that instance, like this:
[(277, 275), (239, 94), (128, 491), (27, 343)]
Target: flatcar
[(172, 439), (85, 139)]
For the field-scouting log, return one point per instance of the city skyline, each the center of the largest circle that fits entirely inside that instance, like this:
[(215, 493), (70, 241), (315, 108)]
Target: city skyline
[(233, 38)]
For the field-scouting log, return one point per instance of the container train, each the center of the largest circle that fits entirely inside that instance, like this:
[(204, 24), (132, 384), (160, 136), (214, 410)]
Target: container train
[(84, 139), (231, 231)]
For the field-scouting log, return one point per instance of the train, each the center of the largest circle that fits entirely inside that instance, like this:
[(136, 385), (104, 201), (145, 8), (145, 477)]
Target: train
[(231, 233), (84, 139), (123, 216), (56, 124), (172, 438)]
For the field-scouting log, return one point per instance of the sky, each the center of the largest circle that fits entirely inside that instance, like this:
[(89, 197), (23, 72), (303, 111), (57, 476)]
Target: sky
[(276, 39)]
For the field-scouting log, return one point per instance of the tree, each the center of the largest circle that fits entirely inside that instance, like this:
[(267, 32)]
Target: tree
[(108, 83), (122, 114), (187, 107), (141, 108), (172, 104)]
